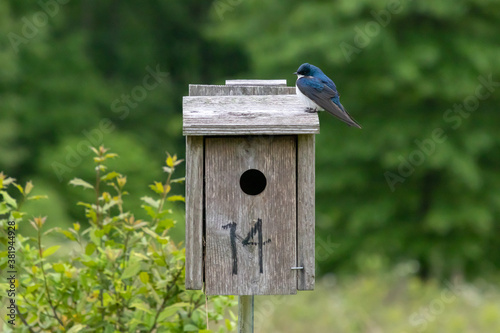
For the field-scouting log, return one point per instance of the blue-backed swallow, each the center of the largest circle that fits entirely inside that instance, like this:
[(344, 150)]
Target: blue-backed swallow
[(319, 93)]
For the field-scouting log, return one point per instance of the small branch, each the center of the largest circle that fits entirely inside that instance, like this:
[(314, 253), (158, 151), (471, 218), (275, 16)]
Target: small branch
[(97, 182), (99, 224), (169, 288), (24, 321), (101, 297), (164, 195), (45, 278)]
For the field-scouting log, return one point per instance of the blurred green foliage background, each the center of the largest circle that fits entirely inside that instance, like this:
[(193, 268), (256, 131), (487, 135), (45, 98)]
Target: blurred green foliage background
[(419, 183)]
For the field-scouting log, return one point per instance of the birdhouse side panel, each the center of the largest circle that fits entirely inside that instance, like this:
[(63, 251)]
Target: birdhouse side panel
[(305, 212), (194, 212)]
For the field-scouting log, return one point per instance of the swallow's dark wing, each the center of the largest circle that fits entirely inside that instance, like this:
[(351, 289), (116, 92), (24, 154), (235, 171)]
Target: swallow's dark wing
[(324, 96)]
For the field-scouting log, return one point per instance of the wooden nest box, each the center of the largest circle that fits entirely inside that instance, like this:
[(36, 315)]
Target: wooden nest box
[(249, 189)]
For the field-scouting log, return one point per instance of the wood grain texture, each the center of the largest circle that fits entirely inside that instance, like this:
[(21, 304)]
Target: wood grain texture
[(248, 82), (214, 90), (305, 212), (194, 212), (226, 158), (244, 115)]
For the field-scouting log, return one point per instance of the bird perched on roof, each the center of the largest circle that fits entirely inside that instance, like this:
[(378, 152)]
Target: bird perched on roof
[(319, 93)]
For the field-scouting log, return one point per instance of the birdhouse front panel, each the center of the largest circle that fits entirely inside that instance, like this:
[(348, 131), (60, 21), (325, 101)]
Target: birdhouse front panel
[(250, 215)]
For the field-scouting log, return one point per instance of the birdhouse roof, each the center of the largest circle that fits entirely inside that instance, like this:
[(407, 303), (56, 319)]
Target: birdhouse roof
[(247, 115)]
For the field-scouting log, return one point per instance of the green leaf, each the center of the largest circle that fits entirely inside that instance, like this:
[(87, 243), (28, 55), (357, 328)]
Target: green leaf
[(80, 203), (233, 316), (4, 208), (149, 210), (34, 224), (163, 240), (90, 248), (229, 326), (111, 155), (89, 263), (170, 161), (140, 306), (151, 202), (94, 237), (190, 328), (176, 198), (67, 233), (58, 267), (178, 180), (140, 256), (144, 277), (94, 150), (111, 175), (32, 288), (76, 328), (38, 197), (8, 199), (169, 311), (20, 188), (80, 182), (150, 232), (157, 187), (91, 214), (131, 270), (17, 215), (50, 251), (29, 186), (167, 223)]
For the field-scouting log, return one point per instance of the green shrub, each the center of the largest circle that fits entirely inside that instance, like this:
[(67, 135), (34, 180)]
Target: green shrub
[(115, 273)]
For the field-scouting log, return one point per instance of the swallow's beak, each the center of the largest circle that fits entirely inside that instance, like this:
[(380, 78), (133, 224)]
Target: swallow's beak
[(295, 73)]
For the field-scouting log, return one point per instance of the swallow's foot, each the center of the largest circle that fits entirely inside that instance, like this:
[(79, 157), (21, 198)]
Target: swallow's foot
[(311, 110)]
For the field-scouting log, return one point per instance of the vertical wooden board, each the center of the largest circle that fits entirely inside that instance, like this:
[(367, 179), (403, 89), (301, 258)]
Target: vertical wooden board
[(239, 226), (305, 212), (194, 212)]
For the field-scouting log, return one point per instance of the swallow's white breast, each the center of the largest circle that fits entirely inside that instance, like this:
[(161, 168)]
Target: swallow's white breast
[(306, 100)]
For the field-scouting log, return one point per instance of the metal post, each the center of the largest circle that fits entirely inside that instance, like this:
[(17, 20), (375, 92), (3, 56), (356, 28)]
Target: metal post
[(245, 314)]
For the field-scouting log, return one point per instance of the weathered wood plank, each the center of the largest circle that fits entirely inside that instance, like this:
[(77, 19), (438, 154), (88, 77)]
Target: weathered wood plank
[(246, 115), (305, 212), (232, 216), (214, 90), (194, 212), (249, 82)]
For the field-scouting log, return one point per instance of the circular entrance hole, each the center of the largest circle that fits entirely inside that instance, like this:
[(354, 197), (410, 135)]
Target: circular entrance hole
[(253, 182)]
